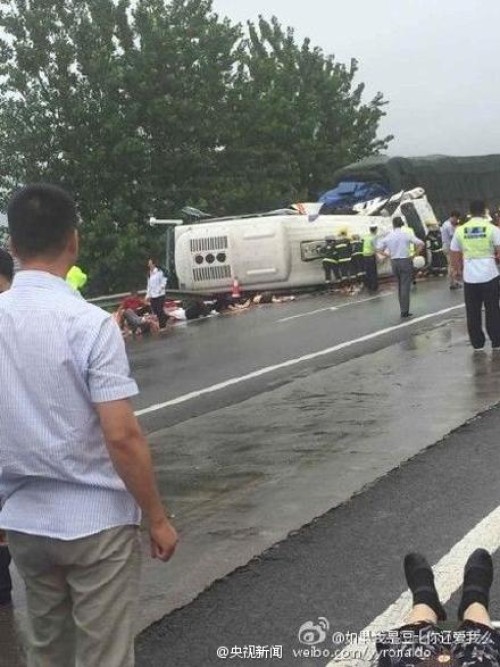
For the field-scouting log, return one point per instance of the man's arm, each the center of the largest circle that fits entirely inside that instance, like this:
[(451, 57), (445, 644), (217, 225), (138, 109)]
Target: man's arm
[(418, 242), (110, 389), (131, 457), (456, 261)]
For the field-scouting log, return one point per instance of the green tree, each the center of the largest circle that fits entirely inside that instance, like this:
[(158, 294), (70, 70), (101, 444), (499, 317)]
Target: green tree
[(179, 73), (65, 118), (297, 115), (141, 107)]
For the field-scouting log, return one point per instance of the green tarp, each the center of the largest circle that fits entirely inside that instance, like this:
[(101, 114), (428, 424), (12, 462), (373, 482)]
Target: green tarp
[(449, 182)]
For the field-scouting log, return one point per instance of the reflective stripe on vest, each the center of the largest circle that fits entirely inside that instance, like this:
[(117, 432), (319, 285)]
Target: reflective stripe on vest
[(476, 239), (369, 245)]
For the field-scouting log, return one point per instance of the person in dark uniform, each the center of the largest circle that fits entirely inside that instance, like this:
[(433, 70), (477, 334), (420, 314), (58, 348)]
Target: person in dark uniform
[(357, 264), (330, 261), (438, 264), (344, 254)]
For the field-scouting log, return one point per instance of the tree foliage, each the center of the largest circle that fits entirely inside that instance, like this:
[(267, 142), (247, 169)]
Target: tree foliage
[(140, 108)]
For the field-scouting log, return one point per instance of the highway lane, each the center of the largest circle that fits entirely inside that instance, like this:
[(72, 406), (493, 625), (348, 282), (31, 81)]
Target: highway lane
[(244, 466), (208, 352), (346, 566)]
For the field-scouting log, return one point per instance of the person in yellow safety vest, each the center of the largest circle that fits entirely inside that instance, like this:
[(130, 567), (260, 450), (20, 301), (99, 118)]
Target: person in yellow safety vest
[(76, 278), (370, 259), (475, 252)]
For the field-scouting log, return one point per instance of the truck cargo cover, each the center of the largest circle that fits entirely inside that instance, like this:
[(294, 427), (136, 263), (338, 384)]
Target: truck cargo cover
[(449, 182)]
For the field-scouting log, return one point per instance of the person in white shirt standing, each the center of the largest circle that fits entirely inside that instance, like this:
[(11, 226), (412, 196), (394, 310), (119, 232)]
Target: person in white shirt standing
[(75, 468), (475, 252), (155, 293), (399, 244), (448, 229)]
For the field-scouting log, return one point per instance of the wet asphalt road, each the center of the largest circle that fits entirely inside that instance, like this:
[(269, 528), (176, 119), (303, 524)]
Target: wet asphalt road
[(216, 349), (244, 466), (346, 565)]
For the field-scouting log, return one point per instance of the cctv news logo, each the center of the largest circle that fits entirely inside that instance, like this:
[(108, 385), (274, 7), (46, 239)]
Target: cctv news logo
[(313, 636)]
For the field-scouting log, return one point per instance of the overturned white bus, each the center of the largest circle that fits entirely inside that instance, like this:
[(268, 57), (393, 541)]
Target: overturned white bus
[(281, 250)]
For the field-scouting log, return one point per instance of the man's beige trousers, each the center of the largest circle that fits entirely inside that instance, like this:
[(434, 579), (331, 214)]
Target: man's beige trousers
[(81, 597)]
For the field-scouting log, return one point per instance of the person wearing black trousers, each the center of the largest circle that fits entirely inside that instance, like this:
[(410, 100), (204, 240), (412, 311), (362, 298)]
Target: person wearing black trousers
[(422, 642), (155, 292), (475, 251)]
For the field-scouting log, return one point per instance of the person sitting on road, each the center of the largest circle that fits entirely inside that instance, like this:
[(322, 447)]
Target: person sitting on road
[(136, 303), (134, 316), (422, 643)]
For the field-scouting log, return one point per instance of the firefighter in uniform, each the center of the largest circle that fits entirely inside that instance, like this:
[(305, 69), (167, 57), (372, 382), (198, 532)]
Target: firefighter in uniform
[(330, 261), (344, 253), (370, 259), (475, 250), (438, 265), (357, 264)]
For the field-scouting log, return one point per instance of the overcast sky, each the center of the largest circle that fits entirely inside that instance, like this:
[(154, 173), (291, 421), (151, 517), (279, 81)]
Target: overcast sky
[(437, 62)]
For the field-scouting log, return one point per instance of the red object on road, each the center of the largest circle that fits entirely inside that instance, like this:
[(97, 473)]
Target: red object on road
[(236, 292)]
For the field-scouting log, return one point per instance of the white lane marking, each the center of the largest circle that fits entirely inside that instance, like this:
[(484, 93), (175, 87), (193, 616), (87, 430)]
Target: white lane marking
[(448, 574), (291, 362), (309, 312), (342, 305)]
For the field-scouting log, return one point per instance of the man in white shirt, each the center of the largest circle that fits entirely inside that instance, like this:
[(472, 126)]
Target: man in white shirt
[(475, 251), (155, 292), (448, 229), (75, 468), (398, 245)]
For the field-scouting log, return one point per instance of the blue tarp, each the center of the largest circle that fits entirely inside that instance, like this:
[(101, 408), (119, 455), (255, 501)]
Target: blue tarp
[(348, 193)]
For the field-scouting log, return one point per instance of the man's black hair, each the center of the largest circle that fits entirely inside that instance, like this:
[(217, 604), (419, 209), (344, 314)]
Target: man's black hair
[(455, 214), (477, 207), (6, 265), (398, 222), (41, 217)]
